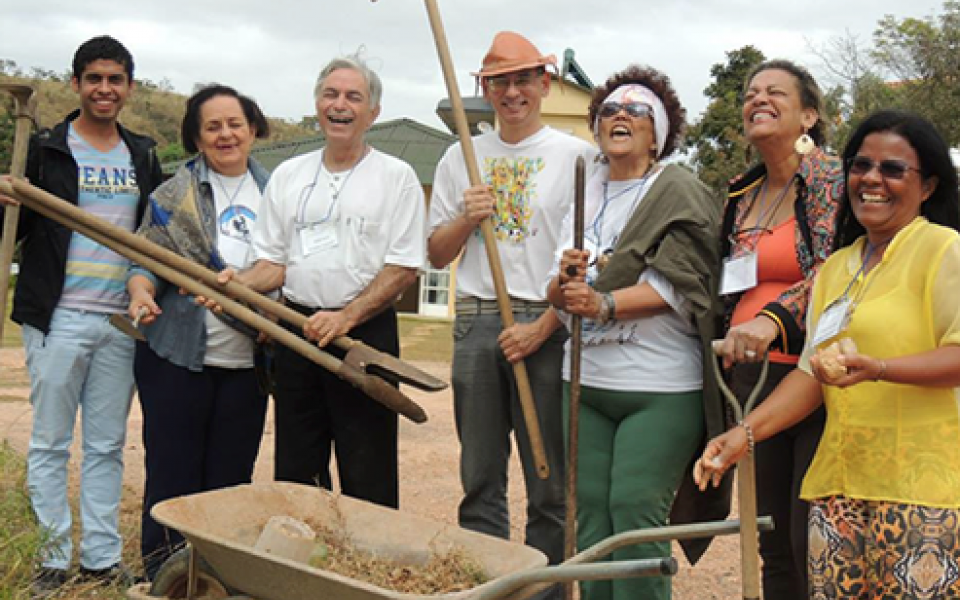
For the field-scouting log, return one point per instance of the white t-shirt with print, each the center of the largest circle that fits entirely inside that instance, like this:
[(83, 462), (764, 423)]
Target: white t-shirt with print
[(658, 353), (533, 185), (335, 232), (237, 202)]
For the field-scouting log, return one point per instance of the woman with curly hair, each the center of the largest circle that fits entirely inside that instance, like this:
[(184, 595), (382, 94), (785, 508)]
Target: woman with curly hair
[(645, 285)]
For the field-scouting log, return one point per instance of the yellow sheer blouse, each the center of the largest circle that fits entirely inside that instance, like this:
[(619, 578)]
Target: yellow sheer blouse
[(886, 441)]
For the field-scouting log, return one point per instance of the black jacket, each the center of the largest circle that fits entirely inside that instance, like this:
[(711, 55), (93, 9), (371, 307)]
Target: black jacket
[(44, 243)]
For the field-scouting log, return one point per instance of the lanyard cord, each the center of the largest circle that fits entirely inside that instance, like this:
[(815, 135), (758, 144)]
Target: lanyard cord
[(236, 192), (302, 204), (870, 248), (768, 212), (640, 186)]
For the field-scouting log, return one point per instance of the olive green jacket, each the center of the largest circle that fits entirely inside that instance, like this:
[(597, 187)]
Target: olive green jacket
[(675, 230)]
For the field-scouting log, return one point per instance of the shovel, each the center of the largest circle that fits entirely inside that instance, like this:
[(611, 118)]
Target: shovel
[(25, 97)]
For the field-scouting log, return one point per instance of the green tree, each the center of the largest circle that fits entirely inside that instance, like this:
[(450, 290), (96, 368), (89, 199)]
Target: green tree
[(923, 58), (716, 140)]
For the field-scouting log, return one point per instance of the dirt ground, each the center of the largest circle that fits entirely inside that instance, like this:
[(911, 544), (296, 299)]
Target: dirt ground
[(428, 472)]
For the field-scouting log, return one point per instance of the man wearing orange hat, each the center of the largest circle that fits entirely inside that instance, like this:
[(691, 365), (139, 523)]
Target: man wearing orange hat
[(527, 170)]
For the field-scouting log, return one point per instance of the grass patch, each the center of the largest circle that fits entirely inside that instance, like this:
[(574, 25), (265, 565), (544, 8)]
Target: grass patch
[(19, 535), (429, 340)]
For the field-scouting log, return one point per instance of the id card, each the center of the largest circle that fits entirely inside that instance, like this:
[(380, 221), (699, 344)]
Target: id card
[(739, 274), (318, 237), (833, 320)]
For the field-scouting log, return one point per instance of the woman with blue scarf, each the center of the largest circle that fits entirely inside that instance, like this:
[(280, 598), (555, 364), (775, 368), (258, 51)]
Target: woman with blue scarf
[(203, 407)]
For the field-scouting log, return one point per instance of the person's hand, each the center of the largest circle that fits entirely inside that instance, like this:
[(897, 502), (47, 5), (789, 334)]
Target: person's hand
[(223, 277), (478, 202), (573, 265), (721, 453), (748, 342), (143, 309), (581, 299), (860, 368), (8, 200), (323, 326), (521, 340)]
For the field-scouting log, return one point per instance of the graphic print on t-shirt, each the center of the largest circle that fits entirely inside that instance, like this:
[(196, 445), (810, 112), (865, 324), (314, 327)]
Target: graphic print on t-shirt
[(514, 187), (236, 222), (95, 277)]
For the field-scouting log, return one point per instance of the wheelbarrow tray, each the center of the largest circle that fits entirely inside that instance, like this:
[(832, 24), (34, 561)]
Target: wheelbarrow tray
[(223, 527)]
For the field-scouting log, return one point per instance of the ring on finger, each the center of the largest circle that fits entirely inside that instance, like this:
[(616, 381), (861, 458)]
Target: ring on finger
[(749, 353)]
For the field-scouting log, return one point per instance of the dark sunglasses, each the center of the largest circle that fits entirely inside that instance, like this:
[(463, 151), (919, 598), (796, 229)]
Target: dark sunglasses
[(889, 169), (634, 109)]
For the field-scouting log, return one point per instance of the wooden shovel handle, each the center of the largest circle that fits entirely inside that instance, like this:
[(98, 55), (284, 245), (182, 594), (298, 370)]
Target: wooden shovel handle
[(524, 391)]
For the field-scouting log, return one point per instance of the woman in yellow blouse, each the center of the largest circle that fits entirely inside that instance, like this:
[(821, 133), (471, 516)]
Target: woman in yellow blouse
[(884, 485)]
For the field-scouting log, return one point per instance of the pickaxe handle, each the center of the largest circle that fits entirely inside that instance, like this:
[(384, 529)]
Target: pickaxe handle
[(489, 240)]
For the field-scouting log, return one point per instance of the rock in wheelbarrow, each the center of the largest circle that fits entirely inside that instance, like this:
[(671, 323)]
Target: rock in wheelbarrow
[(287, 537)]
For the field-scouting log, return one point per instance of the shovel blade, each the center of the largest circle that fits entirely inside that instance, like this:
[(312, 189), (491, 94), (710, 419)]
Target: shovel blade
[(125, 325)]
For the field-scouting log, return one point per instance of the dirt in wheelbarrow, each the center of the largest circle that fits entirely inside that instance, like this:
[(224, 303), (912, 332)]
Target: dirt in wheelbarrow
[(428, 474), (443, 572)]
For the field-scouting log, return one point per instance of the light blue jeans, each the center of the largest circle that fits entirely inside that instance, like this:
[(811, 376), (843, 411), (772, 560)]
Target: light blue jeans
[(84, 362)]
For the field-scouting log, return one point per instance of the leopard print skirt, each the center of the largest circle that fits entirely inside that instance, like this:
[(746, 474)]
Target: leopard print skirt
[(864, 550)]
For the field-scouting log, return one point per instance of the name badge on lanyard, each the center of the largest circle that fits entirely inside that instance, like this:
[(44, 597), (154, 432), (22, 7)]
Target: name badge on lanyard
[(739, 274), (833, 320), (318, 237)]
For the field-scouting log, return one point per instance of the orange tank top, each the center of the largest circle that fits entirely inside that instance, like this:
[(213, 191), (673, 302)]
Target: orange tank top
[(777, 270)]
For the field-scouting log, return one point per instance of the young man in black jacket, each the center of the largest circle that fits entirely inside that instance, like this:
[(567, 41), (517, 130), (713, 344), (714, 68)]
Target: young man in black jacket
[(67, 289)]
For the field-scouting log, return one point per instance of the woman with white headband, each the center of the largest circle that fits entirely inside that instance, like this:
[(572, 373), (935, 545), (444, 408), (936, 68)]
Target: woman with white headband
[(645, 285), (778, 229)]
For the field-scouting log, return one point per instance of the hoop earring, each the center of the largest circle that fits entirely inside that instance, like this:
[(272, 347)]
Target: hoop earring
[(804, 144)]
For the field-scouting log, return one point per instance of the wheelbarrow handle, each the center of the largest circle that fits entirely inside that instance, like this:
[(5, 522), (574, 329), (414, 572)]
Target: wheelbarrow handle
[(627, 569)]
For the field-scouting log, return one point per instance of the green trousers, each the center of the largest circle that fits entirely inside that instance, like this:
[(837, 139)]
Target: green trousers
[(633, 450)]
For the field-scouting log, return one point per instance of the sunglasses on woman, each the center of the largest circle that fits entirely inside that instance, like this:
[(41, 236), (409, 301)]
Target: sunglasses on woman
[(889, 169), (634, 109)]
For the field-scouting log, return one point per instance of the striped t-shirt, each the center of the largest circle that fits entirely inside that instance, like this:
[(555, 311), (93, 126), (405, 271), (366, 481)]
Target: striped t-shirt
[(96, 276)]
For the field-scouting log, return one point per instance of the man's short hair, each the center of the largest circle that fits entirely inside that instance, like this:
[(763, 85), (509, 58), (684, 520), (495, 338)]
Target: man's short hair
[(354, 62), (102, 47)]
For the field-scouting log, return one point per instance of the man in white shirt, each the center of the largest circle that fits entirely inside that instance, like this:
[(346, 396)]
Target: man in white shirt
[(343, 230), (528, 171)]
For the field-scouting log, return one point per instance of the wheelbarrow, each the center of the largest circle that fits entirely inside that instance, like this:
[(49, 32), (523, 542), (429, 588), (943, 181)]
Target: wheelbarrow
[(222, 528)]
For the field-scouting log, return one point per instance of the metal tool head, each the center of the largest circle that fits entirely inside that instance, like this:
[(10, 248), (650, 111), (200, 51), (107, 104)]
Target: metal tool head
[(392, 369), (24, 93), (124, 324)]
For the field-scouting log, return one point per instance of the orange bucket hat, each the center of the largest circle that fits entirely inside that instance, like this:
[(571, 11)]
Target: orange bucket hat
[(512, 52)]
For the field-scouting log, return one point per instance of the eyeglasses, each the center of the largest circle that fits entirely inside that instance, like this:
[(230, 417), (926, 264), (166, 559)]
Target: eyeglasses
[(889, 169), (523, 79), (634, 109)]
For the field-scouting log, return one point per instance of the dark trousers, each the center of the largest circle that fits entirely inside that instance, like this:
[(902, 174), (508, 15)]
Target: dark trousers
[(201, 432), (781, 463), (318, 414)]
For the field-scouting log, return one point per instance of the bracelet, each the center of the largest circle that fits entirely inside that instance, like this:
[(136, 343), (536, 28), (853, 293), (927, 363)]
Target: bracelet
[(611, 307), (603, 313), (883, 371), (750, 439)]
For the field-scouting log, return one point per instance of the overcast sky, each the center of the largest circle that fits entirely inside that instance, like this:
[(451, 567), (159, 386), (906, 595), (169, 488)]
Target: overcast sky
[(273, 49)]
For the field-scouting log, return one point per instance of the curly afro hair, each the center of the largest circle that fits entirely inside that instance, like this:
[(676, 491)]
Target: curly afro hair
[(660, 85)]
